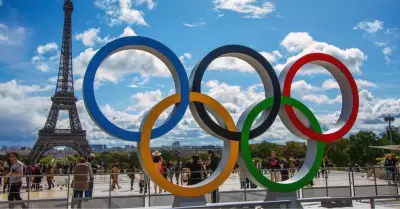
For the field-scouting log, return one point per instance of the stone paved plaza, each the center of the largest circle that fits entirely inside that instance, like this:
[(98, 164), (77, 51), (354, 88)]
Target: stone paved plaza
[(230, 191)]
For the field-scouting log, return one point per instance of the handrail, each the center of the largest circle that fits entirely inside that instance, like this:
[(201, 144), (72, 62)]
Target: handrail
[(288, 202), (241, 204), (319, 199)]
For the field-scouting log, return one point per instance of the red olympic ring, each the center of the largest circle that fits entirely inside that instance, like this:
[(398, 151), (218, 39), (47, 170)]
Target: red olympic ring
[(336, 134)]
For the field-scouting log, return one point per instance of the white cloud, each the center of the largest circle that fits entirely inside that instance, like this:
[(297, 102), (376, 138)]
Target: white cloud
[(332, 84), (185, 57), (53, 79), (145, 100), (235, 64), (15, 90), (121, 64), (193, 25), (150, 3), (249, 8), (369, 26), (297, 42), (387, 51), (121, 11), (128, 31), (27, 119), (43, 49), (1, 3), (12, 36), (90, 37), (46, 56), (302, 43), (301, 86), (322, 99), (381, 43), (139, 82)]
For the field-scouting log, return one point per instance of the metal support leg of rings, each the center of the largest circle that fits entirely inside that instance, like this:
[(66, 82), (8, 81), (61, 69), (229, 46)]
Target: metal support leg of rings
[(277, 196), (188, 201)]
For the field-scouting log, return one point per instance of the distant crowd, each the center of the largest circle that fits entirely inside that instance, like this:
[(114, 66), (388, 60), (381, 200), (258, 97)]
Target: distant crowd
[(182, 173)]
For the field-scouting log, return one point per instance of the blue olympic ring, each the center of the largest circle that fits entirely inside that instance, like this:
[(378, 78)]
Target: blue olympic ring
[(157, 49)]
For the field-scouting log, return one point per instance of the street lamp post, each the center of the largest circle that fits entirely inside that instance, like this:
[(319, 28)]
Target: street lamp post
[(389, 119)]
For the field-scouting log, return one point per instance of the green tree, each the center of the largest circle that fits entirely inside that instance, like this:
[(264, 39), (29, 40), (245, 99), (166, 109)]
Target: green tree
[(264, 149), (338, 152), (359, 150), (294, 149)]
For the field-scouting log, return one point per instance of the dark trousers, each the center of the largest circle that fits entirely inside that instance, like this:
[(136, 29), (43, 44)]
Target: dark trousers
[(132, 180), (89, 191), (6, 187), (28, 182), (77, 194), (51, 184), (143, 186), (14, 194), (177, 178), (214, 196)]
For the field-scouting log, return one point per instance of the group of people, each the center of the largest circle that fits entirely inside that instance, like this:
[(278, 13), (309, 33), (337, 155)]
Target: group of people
[(191, 172), (283, 169), (13, 175)]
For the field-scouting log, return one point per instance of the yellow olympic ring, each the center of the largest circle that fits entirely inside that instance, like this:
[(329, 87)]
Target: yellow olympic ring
[(209, 184)]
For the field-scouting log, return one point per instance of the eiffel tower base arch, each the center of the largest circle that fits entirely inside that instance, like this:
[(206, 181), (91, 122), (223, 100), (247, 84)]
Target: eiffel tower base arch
[(76, 141)]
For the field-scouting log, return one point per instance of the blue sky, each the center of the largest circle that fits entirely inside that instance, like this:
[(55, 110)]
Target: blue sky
[(365, 38)]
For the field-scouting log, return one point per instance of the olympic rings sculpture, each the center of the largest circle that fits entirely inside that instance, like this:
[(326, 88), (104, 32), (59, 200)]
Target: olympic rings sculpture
[(296, 117)]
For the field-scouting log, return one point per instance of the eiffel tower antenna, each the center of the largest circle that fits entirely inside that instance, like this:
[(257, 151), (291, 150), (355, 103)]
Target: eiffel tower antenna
[(63, 99)]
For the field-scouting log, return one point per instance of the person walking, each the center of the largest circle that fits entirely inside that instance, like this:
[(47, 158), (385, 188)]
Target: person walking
[(50, 177), (88, 163), (131, 175), (15, 180), (80, 182), (214, 161), (114, 174)]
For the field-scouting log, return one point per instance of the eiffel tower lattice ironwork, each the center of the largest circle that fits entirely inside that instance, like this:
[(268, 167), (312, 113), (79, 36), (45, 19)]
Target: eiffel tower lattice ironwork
[(63, 99)]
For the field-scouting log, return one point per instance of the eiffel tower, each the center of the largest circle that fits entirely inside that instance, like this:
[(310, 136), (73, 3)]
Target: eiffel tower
[(63, 99)]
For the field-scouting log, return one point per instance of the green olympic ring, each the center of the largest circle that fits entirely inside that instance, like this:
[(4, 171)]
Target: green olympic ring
[(314, 156)]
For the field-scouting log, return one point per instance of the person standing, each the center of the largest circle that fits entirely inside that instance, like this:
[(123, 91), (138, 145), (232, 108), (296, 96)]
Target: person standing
[(273, 165), (158, 163), (37, 179), (80, 182), (15, 180), (324, 168), (1, 172), (389, 166), (285, 169), (214, 161), (196, 171), (178, 171), (171, 169), (143, 182)]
